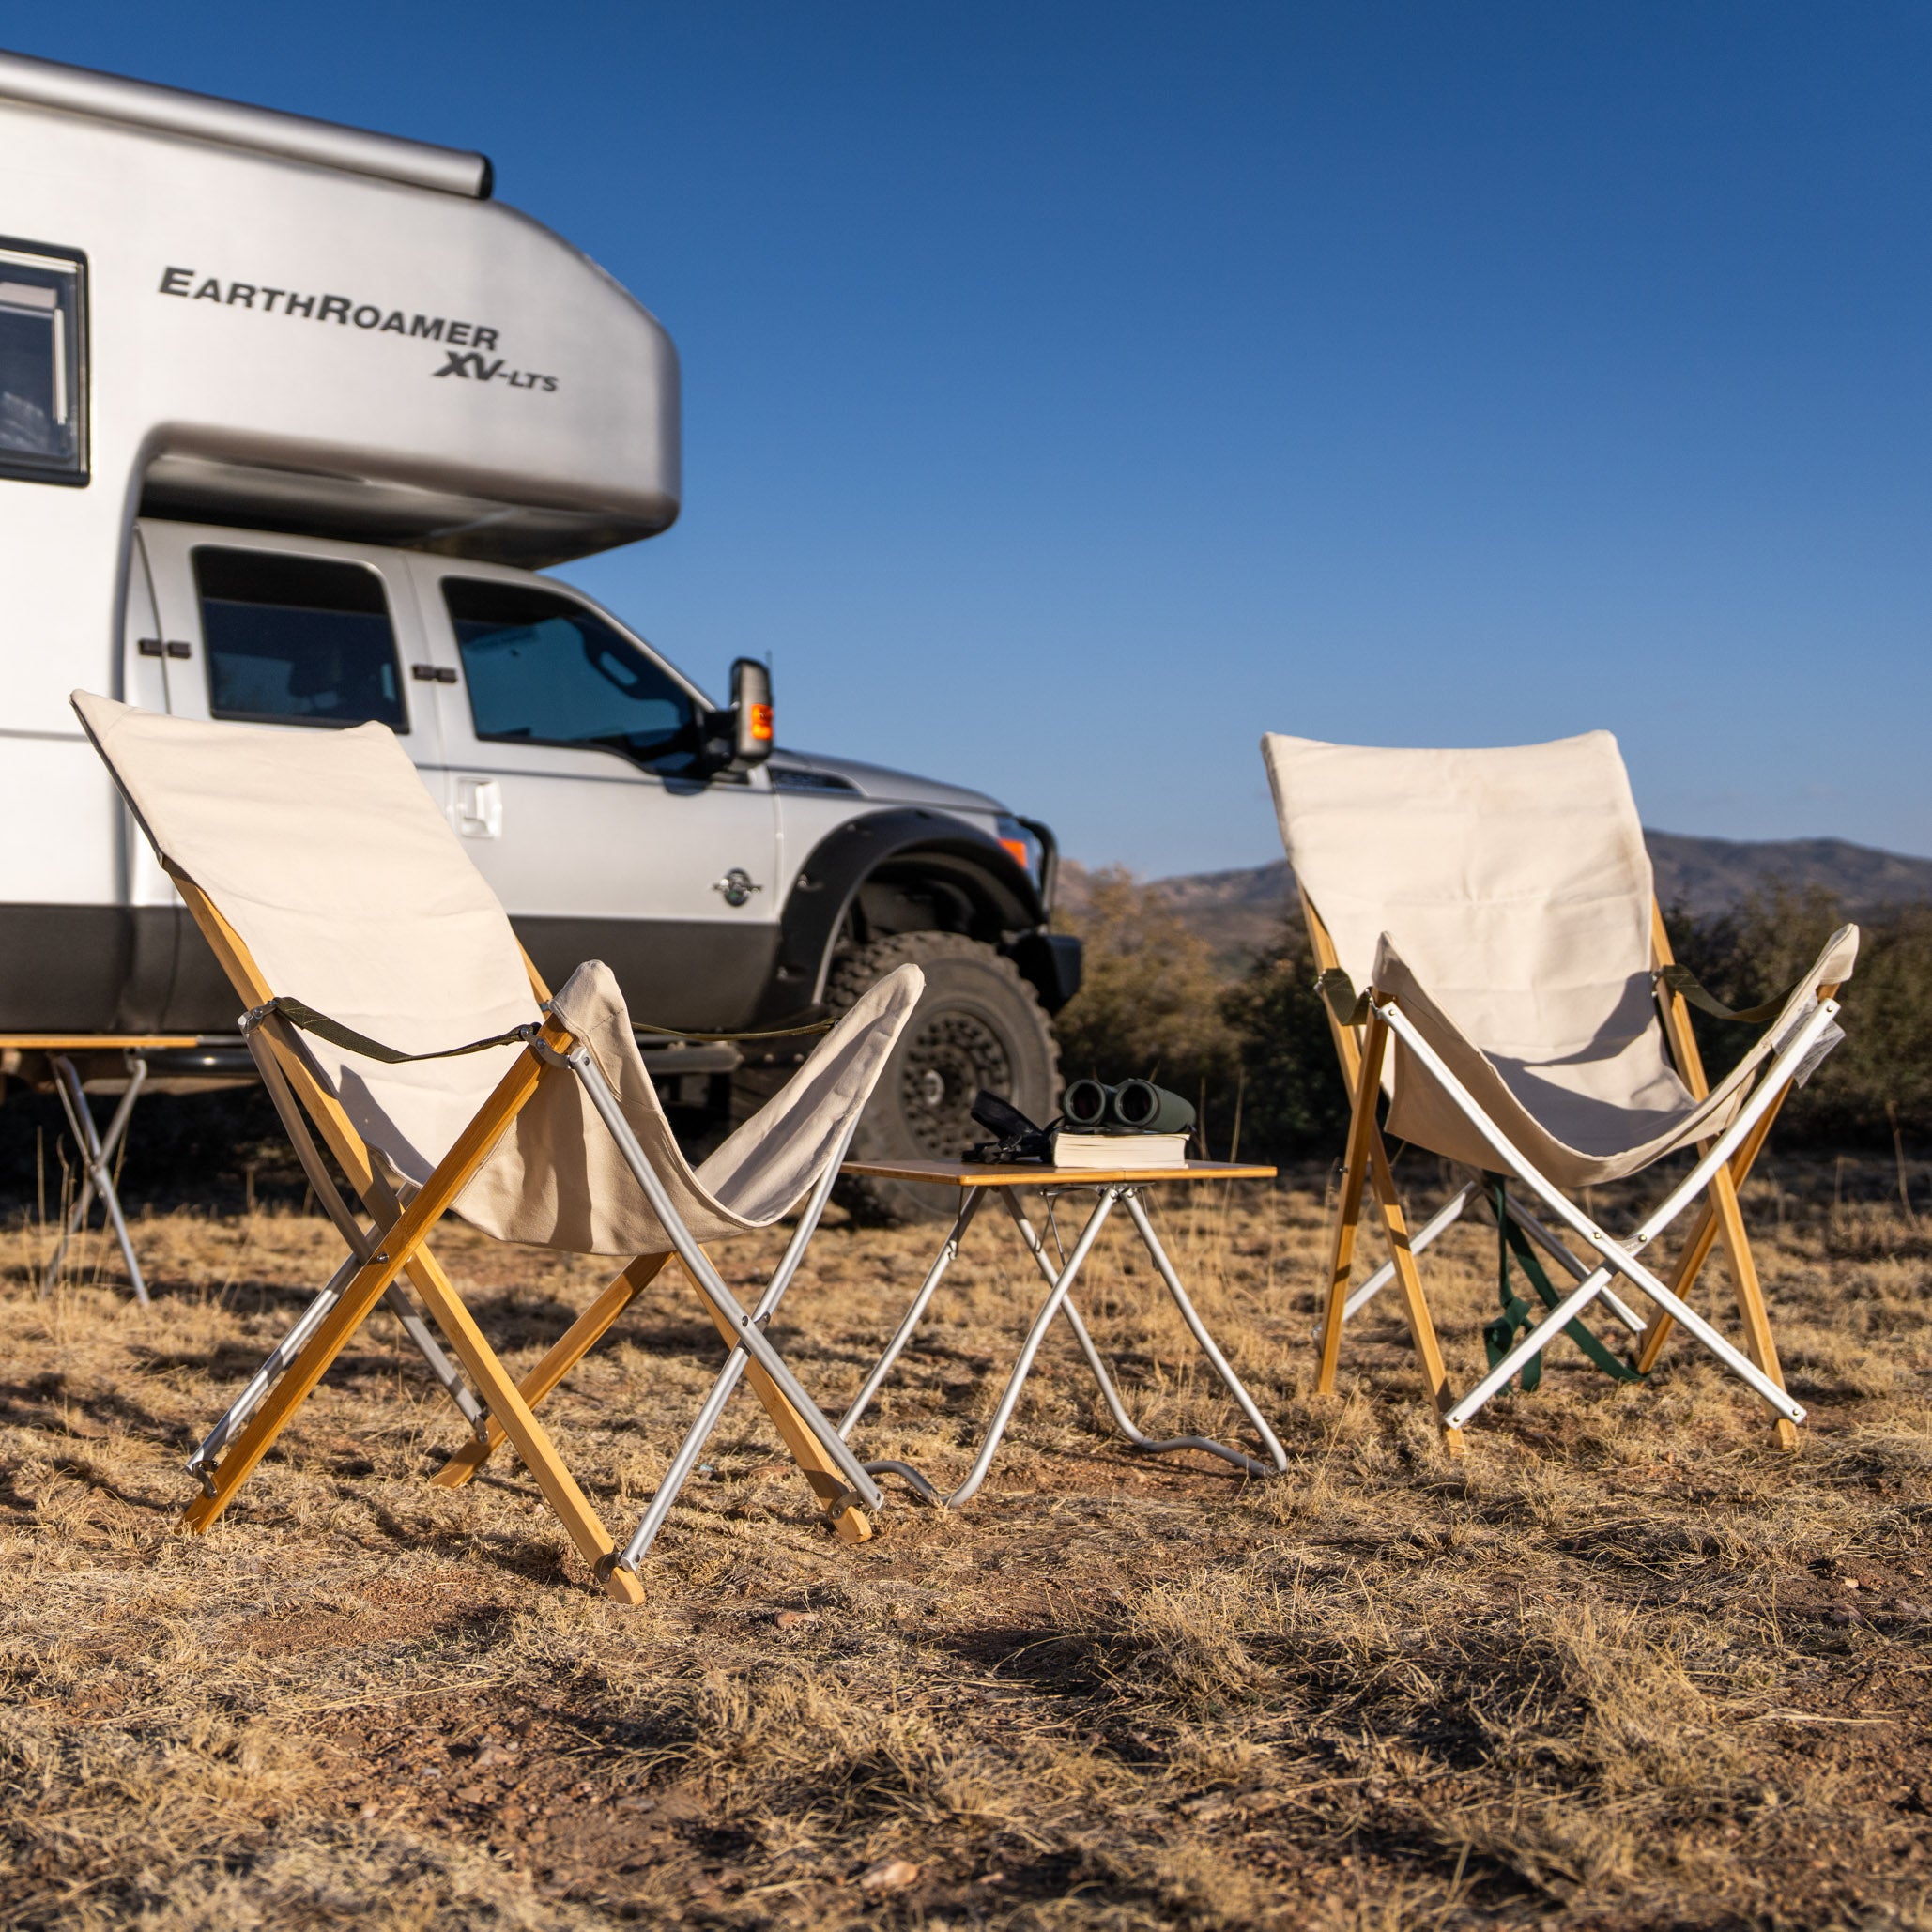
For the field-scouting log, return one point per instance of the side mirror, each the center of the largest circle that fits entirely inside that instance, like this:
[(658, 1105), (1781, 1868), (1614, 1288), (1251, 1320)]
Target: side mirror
[(751, 713)]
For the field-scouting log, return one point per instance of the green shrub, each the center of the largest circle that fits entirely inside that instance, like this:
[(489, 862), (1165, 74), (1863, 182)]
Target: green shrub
[(1295, 1102)]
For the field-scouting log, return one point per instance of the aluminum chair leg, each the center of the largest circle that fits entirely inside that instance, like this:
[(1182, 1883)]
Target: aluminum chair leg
[(440, 1365), (948, 1254), (710, 1284), (97, 1153), (735, 1364), (201, 1463), (1621, 1257), (1445, 1218)]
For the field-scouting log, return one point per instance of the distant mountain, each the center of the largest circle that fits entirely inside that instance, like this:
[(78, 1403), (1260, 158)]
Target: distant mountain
[(1236, 912), (1709, 875)]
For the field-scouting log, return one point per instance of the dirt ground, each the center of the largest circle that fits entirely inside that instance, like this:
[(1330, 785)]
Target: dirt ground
[(1626, 1663)]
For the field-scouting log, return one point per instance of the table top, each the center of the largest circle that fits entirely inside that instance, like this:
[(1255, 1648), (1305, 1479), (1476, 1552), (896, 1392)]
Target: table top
[(98, 1042), (969, 1174)]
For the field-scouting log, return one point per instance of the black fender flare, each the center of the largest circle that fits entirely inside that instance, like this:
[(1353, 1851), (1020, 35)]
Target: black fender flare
[(823, 887)]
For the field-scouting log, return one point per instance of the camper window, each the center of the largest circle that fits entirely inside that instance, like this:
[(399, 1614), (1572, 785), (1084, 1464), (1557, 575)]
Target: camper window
[(544, 670), (42, 378), (297, 641)]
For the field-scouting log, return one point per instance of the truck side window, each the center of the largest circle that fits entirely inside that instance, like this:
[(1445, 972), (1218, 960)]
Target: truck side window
[(297, 641), (43, 389), (543, 669)]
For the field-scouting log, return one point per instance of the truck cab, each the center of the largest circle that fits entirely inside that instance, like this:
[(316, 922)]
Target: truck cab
[(294, 423)]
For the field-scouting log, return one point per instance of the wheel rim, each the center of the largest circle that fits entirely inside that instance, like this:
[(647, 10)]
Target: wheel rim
[(948, 1058)]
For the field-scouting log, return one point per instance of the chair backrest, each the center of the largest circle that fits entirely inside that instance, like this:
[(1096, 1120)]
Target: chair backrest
[(1513, 882), (326, 855)]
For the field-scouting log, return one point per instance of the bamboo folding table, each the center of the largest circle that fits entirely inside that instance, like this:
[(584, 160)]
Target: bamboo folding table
[(1111, 1187), (97, 1150)]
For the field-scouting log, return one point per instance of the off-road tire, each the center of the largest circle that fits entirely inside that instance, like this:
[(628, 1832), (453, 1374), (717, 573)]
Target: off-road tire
[(977, 1024)]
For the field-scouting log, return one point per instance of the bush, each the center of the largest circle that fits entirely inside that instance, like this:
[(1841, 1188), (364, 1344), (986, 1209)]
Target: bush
[(1882, 1070), (1295, 1101), (1149, 1005), (1157, 1005)]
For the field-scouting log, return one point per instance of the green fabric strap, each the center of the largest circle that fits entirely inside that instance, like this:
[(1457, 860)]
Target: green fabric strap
[(770, 1033), (1681, 981), (299, 1013), (1347, 1006), (1500, 1336)]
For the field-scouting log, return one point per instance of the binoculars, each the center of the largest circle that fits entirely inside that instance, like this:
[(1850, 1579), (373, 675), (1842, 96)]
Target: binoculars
[(1134, 1107)]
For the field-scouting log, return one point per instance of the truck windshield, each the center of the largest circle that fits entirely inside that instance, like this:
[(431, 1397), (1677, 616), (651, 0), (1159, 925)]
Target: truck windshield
[(41, 381), (543, 669)]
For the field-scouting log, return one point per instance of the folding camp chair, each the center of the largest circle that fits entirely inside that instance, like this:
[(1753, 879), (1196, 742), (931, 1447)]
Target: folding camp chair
[(99, 1152), (318, 866), (1498, 908)]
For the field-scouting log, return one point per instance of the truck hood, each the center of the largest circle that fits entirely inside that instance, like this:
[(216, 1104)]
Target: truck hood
[(878, 782)]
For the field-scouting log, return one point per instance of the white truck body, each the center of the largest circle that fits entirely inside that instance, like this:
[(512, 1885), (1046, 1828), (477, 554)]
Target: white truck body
[(241, 351)]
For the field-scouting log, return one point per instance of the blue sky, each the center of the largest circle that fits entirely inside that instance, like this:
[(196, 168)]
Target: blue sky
[(1074, 390)]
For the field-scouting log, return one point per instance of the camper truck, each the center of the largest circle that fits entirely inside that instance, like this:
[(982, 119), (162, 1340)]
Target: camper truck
[(292, 417)]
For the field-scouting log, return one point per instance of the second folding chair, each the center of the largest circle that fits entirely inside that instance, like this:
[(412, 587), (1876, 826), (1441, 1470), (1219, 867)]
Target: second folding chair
[(1523, 1016), (388, 996)]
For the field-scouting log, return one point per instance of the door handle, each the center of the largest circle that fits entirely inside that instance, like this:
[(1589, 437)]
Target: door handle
[(479, 808)]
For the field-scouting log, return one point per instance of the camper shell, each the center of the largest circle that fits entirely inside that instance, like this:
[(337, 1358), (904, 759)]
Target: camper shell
[(228, 333)]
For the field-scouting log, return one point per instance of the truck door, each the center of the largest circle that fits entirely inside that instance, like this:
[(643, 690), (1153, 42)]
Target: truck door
[(575, 778), (290, 632)]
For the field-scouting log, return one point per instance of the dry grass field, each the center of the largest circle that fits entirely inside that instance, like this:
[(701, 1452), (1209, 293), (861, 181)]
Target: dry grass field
[(1624, 1664)]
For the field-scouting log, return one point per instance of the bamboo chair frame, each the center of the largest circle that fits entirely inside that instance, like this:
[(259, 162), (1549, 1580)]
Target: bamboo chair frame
[(1366, 1167), (403, 1250)]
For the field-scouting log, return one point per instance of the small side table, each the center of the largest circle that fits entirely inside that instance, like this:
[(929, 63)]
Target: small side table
[(97, 1150), (1111, 1187)]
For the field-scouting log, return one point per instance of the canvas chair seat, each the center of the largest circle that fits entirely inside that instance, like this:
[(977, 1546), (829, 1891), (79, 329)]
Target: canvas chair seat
[(557, 1179), (323, 873), (1584, 1117)]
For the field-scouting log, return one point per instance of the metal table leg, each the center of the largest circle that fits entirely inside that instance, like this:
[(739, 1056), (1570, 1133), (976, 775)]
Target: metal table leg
[(1198, 1329), (1059, 1301), (97, 1156), (1056, 1299), (1117, 1407)]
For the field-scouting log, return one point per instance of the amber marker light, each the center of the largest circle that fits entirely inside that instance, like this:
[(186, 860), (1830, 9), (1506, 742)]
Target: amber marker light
[(762, 727)]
